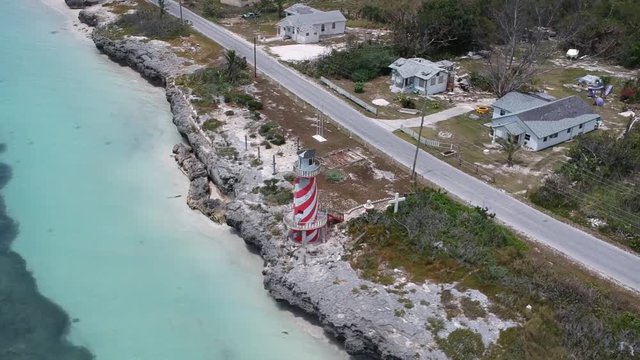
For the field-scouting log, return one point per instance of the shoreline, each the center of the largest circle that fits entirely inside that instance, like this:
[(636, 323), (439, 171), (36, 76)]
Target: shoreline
[(324, 286)]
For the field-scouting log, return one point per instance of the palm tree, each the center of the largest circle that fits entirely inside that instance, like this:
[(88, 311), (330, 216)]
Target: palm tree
[(235, 65), (509, 148)]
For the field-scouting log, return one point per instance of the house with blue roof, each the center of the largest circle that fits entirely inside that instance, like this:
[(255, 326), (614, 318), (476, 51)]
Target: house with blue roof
[(420, 75), (538, 121)]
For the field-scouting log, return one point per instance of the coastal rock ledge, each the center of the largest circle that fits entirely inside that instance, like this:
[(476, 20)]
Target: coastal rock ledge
[(80, 4), (371, 319)]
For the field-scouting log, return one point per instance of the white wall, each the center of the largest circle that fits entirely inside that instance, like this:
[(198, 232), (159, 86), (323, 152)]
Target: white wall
[(303, 38), (539, 144), (438, 87)]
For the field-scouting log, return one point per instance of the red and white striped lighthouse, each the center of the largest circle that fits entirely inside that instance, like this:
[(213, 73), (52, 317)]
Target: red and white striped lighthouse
[(305, 222)]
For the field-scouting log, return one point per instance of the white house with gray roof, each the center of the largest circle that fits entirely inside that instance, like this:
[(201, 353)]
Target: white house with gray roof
[(305, 25), (420, 75), (538, 121)]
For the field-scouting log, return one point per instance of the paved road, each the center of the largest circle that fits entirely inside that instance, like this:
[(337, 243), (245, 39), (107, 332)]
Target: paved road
[(604, 258)]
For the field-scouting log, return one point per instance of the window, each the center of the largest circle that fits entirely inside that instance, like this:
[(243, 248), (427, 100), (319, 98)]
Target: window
[(568, 130), (333, 26), (545, 139), (421, 83), (553, 136), (440, 79), (433, 81), (527, 137), (502, 112), (322, 28), (580, 126), (307, 34)]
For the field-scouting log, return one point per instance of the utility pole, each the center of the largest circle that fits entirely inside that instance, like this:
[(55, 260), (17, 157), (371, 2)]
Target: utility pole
[(415, 156), (255, 58), (180, 4)]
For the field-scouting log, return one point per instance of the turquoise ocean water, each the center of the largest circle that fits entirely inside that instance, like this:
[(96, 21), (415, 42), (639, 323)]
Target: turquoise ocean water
[(93, 182)]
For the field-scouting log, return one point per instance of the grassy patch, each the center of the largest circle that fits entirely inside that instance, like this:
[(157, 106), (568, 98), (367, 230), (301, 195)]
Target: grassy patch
[(273, 194), (119, 9), (272, 133), (435, 325), (148, 21), (462, 344), (335, 175), (472, 308), (212, 124)]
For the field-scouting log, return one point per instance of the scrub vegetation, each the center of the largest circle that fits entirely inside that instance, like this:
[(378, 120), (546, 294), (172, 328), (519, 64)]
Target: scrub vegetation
[(433, 237), (149, 21), (597, 186)]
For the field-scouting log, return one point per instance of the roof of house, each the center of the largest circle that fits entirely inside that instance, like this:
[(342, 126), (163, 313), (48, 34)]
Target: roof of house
[(313, 18), (417, 67), (516, 101), (547, 118), (300, 9)]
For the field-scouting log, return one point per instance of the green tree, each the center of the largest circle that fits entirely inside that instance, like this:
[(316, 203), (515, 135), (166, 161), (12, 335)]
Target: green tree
[(235, 66), (280, 5), (436, 26), (510, 148), (210, 9)]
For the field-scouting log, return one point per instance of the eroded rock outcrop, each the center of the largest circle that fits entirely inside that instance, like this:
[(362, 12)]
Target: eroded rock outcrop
[(80, 4)]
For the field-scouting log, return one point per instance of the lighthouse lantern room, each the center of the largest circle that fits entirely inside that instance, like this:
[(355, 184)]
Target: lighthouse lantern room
[(306, 223)]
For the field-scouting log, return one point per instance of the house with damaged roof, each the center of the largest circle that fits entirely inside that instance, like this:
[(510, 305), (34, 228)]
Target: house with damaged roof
[(304, 24), (420, 75), (538, 121)]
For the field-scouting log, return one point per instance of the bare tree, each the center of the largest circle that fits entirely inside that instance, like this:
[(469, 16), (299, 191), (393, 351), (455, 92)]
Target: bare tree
[(517, 59), (412, 36)]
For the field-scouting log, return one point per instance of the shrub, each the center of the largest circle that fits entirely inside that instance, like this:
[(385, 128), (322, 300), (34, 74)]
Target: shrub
[(229, 113), (254, 105), (335, 175), (212, 124), (361, 63), (435, 325), (472, 308), (462, 344), (359, 87), (148, 22), (211, 9), (274, 194), (479, 81), (207, 84), (628, 94), (277, 139), (375, 14), (405, 101)]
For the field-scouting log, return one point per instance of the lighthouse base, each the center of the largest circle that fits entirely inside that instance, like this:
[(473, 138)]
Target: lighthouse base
[(308, 236)]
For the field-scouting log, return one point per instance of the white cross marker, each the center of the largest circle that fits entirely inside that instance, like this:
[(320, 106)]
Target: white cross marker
[(396, 201)]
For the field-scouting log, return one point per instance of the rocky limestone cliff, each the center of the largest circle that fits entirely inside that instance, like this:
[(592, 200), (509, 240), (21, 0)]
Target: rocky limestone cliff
[(80, 4), (369, 318)]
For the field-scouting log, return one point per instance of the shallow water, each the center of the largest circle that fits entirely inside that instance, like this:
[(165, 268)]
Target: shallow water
[(92, 189)]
